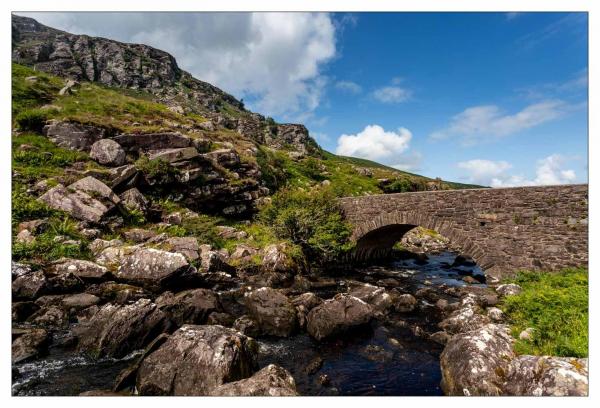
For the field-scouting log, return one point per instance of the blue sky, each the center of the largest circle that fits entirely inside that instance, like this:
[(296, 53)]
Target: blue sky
[(492, 98)]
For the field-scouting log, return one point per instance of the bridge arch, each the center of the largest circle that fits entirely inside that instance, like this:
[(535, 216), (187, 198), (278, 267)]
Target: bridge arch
[(376, 237)]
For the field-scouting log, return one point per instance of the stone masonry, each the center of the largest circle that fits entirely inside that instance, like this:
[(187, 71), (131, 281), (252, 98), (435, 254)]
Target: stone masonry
[(502, 229)]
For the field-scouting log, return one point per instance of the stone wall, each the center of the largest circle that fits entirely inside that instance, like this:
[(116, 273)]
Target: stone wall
[(503, 230)]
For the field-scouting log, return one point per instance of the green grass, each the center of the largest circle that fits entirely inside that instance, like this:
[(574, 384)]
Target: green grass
[(27, 94), (556, 306)]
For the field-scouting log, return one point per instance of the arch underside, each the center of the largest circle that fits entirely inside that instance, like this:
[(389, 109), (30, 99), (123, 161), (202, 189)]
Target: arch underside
[(376, 237)]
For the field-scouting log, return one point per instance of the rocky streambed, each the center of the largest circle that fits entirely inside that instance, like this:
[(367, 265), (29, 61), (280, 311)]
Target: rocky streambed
[(426, 325), (384, 348)]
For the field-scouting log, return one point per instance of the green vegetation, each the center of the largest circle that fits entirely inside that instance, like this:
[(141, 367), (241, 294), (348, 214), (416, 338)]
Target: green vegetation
[(555, 305), (31, 88), (157, 169), (32, 119), (311, 220)]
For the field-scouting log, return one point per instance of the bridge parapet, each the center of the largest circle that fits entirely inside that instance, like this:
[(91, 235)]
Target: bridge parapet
[(504, 229)]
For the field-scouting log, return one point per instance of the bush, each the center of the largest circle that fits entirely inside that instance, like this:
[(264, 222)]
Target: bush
[(311, 220), (403, 185), (157, 169), (555, 305), (32, 119)]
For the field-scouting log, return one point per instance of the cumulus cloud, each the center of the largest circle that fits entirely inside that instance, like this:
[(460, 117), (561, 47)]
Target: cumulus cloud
[(374, 143), (392, 94), (549, 171), (479, 123), (348, 86), (272, 60)]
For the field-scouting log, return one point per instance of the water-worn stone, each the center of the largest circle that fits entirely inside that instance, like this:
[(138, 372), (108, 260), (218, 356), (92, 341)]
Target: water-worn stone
[(377, 297), (476, 362), (30, 285), (108, 152), (334, 316), (271, 381), (153, 268), (543, 375), (115, 330), (190, 306), (50, 317), (405, 303), (466, 318), (29, 345), (496, 315), (272, 310), (195, 360)]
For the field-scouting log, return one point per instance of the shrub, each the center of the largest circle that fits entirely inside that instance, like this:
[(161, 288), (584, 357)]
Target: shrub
[(311, 220), (156, 169), (403, 185), (32, 119), (555, 305)]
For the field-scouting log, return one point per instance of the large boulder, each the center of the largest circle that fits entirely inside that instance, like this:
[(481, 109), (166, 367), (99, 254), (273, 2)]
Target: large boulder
[(190, 306), (469, 316), (543, 375), (132, 199), (273, 311), (85, 270), (337, 315), (74, 136), (373, 295), (78, 204), (96, 189), (154, 268), (108, 152), (271, 381), (195, 360), (30, 285), (476, 362), (116, 330), (30, 344)]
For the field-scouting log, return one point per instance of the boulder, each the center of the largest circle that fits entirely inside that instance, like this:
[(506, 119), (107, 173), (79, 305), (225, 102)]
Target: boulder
[(337, 315), (377, 297), (174, 155), (227, 158), (547, 376), (50, 317), (30, 285), (25, 237), (96, 189), (132, 199), (108, 152), (153, 268), (30, 344), (115, 330), (152, 141), (509, 289), (119, 293), (405, 303), (271, 381), (272, 310), (85, 270), (496, 315), (476, 362), (18, 269), (138, 235), (276, 258), (307, 300), (188, 307), (466, 318), (80, 301), (243, 251), (74, 136), (78, 204), (440, 337), (212, 261), (247, 325), (122, 176), (187, 246), (195, 360)]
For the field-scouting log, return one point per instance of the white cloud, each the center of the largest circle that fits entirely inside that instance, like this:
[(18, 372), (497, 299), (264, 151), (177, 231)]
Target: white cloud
[(479, 123), (374, 143), (549, 171), (349, 86), (392, 94), (408, 162), (272, 60)]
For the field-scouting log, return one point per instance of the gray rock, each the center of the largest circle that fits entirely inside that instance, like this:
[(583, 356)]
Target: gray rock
[(509, 289), (276, 258), (405, 303), (153, 268), (152, 141), (547, 376), (132, 199), (74, 136), (50, 317), (476, 362), (526, 334), (190, 306), (96, 189), (247, 325), (195, 360), (466, 318), (30, 285), (337, 315), (118, 293), (377, 297), (307, 300), (30, 344), (187, 246), (174, 155), (243, 251), (115, 331), (85, 270), (78, 204), (80, 301), (138, 235), (271, 381), (272, 310), (122, 176), (19, 269), (496, 315), (440, 337), (108, 152), (227, 158)]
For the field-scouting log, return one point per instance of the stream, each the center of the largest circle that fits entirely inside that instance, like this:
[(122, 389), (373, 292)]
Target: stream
[(386, 358)]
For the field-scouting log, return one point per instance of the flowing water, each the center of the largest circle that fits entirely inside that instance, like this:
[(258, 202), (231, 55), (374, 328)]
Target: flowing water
[(387, 358)]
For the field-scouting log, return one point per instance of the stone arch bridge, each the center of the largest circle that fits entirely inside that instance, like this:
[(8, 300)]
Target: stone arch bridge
[(502, 229)]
